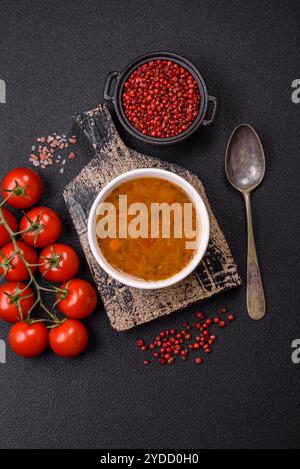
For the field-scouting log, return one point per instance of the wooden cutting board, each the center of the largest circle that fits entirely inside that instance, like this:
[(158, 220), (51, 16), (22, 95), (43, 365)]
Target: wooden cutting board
[(128, 307)]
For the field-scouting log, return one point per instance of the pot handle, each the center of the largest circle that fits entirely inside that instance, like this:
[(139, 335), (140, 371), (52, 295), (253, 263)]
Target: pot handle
[(214, 101), (109, 80)]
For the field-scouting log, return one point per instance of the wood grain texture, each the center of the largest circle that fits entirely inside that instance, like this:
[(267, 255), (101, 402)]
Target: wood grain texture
[(128, 307)]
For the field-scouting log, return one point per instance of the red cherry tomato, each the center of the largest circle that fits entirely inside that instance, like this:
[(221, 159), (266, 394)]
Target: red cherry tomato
[(42, 225), (15, 296), (79, 300), (25, 185), (13, 267), (28, 340), (59, 263), (69, 339), (12, 223)]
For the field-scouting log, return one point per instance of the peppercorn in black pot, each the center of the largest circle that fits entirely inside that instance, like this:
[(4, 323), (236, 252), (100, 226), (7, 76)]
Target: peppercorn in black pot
[(169, 111)]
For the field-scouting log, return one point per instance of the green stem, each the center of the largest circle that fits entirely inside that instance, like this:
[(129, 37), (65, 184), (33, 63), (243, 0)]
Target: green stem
[(3, 202), (37, 265), (32, 280), (17, 233)]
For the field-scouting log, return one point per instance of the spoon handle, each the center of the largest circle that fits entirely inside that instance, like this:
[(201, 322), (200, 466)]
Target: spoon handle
[(256, 303)]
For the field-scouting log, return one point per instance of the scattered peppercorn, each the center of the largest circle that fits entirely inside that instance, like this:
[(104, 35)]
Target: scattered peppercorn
[(171, 343), (200, 315), (198, 360)]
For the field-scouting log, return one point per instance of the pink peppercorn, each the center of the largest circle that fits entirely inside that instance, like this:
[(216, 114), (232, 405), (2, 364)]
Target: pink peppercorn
[(171, 343), (200, 315)]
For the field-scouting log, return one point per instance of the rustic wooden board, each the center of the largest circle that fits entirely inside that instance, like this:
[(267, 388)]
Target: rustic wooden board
[(128, 307)]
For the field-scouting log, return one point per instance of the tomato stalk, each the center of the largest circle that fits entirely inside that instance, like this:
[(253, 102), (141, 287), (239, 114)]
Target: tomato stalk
[(32, 280), (19, 191), (2, 203)]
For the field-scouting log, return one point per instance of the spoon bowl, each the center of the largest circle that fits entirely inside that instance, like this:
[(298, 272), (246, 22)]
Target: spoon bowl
[(245, 170), (245, 159)]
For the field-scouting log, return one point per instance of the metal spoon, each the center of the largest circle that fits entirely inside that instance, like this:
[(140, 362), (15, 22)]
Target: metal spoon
[(245, 169)]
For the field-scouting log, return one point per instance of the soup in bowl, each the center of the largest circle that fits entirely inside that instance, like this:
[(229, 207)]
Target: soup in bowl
[(148, 228)]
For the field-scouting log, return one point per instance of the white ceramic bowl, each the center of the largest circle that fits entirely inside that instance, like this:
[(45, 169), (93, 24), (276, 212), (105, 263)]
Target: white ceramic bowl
[(202, 218)]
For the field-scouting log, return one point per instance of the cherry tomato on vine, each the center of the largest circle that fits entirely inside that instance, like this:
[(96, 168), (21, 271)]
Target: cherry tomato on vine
[(42, 225), (28, 340), (12, 223), (14, 297), (69, 339), (25, 185), (79, 299), (59, 263), (12, 266)]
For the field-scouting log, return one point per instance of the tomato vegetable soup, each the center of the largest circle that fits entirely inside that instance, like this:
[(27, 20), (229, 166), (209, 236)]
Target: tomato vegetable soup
[(146, 240)]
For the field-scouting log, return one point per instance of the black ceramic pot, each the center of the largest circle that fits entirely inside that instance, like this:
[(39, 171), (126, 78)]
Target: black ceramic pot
[(113, 91)]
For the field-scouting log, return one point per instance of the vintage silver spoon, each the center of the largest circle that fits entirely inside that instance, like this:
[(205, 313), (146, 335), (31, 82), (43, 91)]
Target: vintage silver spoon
[(245, 169)]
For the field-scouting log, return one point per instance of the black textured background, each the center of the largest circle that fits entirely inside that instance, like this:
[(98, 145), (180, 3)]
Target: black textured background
[(54, 57)]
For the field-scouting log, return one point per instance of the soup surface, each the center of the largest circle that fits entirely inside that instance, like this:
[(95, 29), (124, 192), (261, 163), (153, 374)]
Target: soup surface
[(145, 257)]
